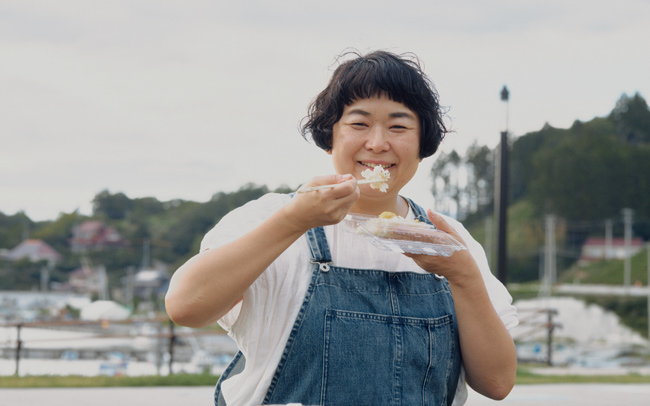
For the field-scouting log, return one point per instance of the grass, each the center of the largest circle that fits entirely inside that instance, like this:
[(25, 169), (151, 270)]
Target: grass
[(73, 381), (524, 377), (610, 272)]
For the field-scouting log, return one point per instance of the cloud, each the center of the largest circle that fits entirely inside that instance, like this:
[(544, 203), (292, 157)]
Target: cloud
[(179, 100)]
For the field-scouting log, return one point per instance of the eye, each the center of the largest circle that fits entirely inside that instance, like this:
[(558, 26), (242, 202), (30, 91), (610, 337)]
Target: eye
[(359, 125), (399, 128)]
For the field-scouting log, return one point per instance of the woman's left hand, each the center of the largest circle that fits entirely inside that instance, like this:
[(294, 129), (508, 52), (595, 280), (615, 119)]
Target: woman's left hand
[(459, 266)]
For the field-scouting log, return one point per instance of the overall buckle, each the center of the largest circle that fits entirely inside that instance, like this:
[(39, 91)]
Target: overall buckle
[(323, 266)]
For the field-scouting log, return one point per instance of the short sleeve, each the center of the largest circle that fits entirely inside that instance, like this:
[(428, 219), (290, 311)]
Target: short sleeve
[(242, 220)]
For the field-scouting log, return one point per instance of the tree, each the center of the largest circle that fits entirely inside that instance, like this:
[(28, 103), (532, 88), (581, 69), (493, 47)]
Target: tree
[(13, 229), (193, 220), (446, 181), (631, 117), (480, 182), (112, 207), (524, 148), (58, 233), (584, 178)]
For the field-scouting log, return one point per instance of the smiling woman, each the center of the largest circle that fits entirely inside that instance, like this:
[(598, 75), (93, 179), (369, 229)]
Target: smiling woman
[(377, 132), (319, 314), (374, 75)]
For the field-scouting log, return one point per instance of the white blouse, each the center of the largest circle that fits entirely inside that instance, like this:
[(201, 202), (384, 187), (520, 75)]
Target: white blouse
[(261, 323)]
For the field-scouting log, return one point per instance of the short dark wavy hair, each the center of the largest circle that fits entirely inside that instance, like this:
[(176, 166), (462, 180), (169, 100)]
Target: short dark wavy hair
[(399, 77)]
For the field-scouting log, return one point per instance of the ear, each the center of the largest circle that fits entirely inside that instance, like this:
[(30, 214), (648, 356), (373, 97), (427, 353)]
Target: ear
[(329, 151)]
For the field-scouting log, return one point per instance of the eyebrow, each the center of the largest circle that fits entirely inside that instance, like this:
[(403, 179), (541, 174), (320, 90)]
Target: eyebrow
[(397, 114)]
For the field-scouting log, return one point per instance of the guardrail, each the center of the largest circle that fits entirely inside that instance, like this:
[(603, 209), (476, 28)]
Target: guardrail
[(168, 333)]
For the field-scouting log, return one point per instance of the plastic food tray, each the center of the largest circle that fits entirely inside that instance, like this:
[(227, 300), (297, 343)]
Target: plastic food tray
[(413, 239)]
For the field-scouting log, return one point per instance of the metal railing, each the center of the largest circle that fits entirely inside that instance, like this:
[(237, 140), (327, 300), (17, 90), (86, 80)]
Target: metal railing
[(99, 329)]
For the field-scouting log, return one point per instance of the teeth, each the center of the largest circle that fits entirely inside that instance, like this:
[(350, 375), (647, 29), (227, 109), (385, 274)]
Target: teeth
[(375, 165)]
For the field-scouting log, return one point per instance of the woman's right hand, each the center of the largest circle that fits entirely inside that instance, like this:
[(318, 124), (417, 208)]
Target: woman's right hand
[(323, 207)]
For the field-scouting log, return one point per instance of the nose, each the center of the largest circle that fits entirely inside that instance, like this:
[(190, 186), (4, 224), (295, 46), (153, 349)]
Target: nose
[(377, 140)]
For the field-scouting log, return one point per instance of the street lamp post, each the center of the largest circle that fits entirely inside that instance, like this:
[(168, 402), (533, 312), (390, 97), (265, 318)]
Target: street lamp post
[(501, 197), (628, 214)]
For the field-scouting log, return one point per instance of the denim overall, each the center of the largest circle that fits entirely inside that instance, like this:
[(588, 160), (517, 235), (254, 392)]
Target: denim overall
[(366, 337)]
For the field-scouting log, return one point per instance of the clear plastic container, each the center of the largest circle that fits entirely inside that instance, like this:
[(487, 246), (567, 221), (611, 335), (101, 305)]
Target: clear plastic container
[(403, 236)]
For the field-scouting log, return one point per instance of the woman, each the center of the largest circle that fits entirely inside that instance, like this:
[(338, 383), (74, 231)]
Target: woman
[(322, 317)]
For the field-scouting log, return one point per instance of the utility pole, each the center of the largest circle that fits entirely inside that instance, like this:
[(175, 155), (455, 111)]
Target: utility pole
[(550, 270), (146, 254), (501, 197), (45, 278), (102, 285), (627, 221), (549, 337), (609, 227), (130, 287)]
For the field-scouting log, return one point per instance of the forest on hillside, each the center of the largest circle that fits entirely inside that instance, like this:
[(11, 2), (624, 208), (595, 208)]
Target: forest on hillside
[(584, 175), (172, 231), (587, 172)]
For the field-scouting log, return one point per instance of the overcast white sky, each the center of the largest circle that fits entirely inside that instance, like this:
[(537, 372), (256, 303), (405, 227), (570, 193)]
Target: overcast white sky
[(184, 99)]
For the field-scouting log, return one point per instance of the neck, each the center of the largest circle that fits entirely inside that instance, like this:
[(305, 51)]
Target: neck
[(375, 206)]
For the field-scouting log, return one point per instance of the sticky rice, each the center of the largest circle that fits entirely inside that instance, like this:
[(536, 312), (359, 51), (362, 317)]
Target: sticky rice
[(378, 174)]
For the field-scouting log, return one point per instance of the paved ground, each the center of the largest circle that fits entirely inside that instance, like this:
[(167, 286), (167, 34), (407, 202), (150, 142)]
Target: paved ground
[(157, 396), (571, 395), (522, 395)]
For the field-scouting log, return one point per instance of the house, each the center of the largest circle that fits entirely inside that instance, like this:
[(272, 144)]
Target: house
[(92, 234), (89, 280), (148, 282), (35, 251), (598, 249)]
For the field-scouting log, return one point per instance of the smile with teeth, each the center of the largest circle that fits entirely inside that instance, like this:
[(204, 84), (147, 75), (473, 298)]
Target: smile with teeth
[(375, 165)]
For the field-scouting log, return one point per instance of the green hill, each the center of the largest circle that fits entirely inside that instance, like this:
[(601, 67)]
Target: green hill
[(584, 176), (610, 272)]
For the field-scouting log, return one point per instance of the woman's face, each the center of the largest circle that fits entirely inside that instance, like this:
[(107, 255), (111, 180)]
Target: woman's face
[(377, 131)]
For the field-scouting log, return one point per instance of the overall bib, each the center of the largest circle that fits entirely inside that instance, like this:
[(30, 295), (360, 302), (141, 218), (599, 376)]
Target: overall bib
[(366, 337)]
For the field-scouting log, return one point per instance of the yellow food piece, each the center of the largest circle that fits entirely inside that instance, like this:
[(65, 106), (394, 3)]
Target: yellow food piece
[(387, 215)]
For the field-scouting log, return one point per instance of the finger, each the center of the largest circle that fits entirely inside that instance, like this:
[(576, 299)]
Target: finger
[(443, 225), (345, 178), (346, 186), (438, 221), (324, 180)]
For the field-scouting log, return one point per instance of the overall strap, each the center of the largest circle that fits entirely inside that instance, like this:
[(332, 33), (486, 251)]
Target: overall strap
[(420, 213), (320, 250)]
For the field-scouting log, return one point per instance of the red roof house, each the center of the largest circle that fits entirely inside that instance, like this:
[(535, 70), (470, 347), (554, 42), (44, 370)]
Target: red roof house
[(598, 249), (94, 235), (34, 250)]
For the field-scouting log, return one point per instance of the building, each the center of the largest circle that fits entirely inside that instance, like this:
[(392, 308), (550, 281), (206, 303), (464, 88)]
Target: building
[(92, 234), (35, 251), (150, 282), (598, 249), (89, 280)]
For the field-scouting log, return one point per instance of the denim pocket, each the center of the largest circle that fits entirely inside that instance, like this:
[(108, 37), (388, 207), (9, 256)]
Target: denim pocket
[(374, 359)]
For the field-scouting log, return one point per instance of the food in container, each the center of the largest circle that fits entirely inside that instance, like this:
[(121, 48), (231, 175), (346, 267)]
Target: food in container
[(390, 232)]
